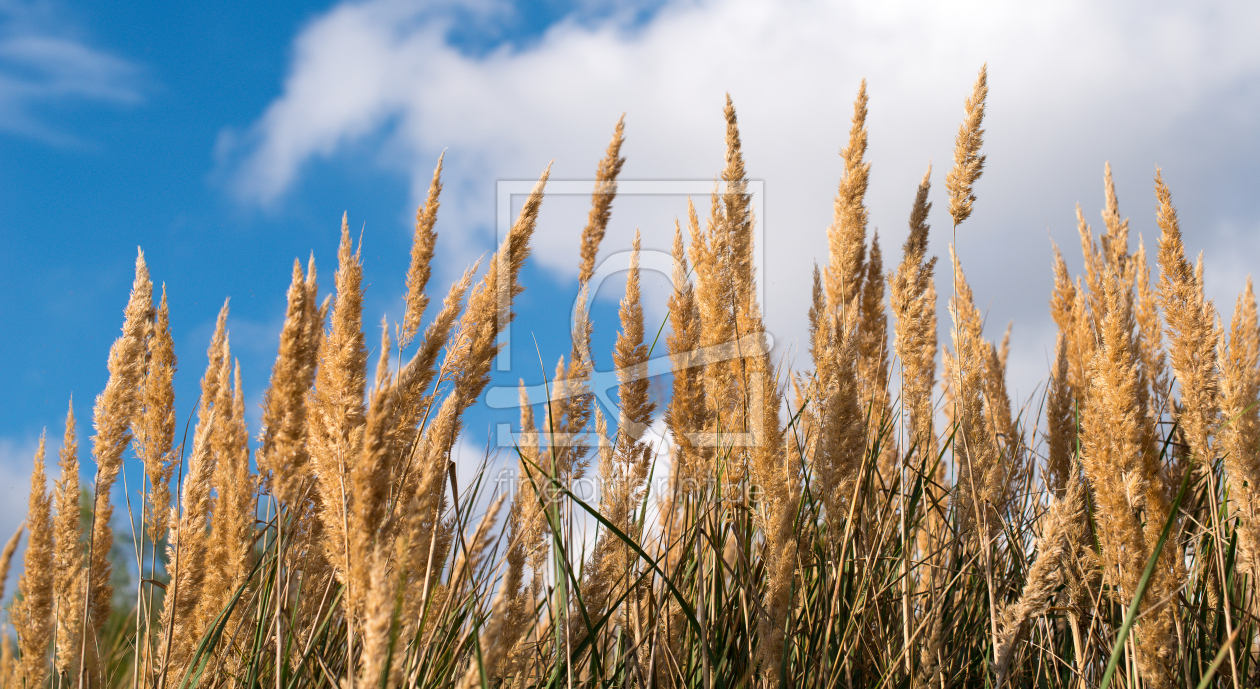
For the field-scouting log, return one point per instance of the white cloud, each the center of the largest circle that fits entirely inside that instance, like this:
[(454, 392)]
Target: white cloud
[(1072, 84), (43, 64)]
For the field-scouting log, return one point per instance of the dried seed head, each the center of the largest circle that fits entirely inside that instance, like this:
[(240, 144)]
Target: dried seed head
[(423, 246), (847, 235), (968, 163), (601, 202), (115, 411)]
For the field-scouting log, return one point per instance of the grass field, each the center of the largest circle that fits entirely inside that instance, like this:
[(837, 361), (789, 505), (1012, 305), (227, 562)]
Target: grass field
[(886, 517)]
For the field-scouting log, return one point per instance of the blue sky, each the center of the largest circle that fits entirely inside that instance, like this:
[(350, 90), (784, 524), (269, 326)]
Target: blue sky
[(227, 138), (113, 118)]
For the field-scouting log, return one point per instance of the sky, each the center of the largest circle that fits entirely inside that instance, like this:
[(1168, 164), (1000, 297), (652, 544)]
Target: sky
[(227, 139)]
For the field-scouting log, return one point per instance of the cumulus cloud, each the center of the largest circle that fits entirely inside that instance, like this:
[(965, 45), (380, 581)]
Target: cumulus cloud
[(1073, 84), (43, 64)]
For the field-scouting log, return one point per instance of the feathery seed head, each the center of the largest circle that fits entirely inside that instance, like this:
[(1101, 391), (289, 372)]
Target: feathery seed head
[(601, 201), (1060, 423), (114, 413), (68, 559), (32, 614), (1239, 435), (6, 559), (155, 432), (912, 296), (422, 248), (968, 163), (1116, 242), (1191, 327), (846, 237), (282, 454)]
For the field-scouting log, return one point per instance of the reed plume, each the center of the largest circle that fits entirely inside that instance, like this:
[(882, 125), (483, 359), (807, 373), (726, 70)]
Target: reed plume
[(1095, 267), (186, 552), (722, 263), (1240, 432), (8, 667), (155, 432), (212, 380), (231, 539), (1004, 350), (423, 245), (968, 163), (336, 416), (687, 413), (1060, 423), (981, 474), (1132, 503), (777, 472), (873, 354), (569, 412), (188, 547), (912, 297), (817, 314), (1150, 335), (601, 202), (1069, 314), (1007, 438), (32, 613), (841, 437), (6, 559), (282, 455), (527, 541), (68, 559), (949, 399), (846, 237), (630, 358), (1189, 320), (735, 222), (116, 407), (1115, 243)]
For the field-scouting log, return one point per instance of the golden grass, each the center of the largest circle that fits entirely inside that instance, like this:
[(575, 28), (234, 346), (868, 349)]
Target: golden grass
[(845, 538)]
